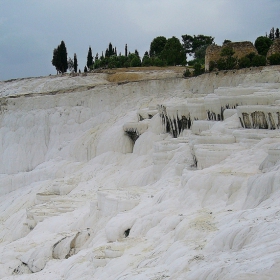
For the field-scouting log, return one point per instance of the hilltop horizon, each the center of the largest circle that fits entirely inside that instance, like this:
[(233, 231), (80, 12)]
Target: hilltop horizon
[(32, 31)]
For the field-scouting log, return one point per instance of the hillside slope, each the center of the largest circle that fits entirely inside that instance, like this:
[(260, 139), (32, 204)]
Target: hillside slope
[(93, 187)]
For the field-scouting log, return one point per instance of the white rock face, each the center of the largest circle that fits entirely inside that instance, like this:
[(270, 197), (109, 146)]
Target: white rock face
[(80, 199)]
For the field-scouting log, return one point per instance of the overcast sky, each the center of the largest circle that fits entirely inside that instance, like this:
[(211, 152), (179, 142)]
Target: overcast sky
[(31, 29)]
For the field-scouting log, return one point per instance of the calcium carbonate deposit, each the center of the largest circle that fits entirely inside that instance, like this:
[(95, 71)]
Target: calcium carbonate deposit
[(162, 178)]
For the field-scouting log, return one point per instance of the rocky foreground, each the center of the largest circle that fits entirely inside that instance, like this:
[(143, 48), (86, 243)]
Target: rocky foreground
[(141, 175)]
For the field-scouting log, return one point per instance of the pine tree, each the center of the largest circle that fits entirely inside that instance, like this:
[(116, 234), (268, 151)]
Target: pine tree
[(89, 58), (75, 63), (157, 46), (173, 52)]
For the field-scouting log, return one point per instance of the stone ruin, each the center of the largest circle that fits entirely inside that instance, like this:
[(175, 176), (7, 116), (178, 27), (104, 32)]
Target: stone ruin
[(240, 49), (274, 48)]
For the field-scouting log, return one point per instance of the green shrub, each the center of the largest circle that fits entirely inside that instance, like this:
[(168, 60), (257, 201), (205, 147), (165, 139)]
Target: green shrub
[(227, 51), (96, 64), (274, 59), (126, 64), (135, 62), (263, 44), (258, 60), (221, 64), (250, 60), (159, 62), (198, 70), (251, 56), (146, 61), (244, 62), (111, 65), (187, 73), (196, 60), (212, 65), (227, 60)]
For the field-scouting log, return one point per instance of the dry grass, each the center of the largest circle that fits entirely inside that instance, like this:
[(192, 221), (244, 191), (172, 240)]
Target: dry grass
[(124, 77), (143, 69), (120, 75)]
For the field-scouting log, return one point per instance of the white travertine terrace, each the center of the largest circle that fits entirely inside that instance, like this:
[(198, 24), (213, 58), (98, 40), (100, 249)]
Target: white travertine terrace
[(193, 196), (258, 116), (135, 129), (272, 158), (112, 202), (199, 126), (146, 113)]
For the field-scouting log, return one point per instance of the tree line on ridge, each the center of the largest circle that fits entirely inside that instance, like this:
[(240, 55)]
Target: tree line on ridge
[(168, 52)]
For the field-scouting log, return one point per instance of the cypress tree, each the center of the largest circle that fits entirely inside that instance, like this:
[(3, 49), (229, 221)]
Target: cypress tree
[(271, 34), (110, 50), (55, 60), (63, 57), (60, 58), (75, 63), (89, 58), (277, 33), (107, 53), (125, 50)]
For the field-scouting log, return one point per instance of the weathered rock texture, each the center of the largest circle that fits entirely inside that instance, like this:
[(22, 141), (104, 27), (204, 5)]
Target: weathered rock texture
[(240, 48), (274, 48), (80, 200)]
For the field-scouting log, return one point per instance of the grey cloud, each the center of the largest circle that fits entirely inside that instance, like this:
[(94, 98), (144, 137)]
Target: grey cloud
[(30, 30)]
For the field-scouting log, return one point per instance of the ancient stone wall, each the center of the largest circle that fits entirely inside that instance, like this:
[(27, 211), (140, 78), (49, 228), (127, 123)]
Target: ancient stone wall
[(212, 54), (240, 49)]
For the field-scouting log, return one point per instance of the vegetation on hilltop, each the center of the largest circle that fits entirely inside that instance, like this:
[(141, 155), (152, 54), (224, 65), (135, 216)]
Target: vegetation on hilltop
[(262, 44), (162, 52), (171, 52)]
